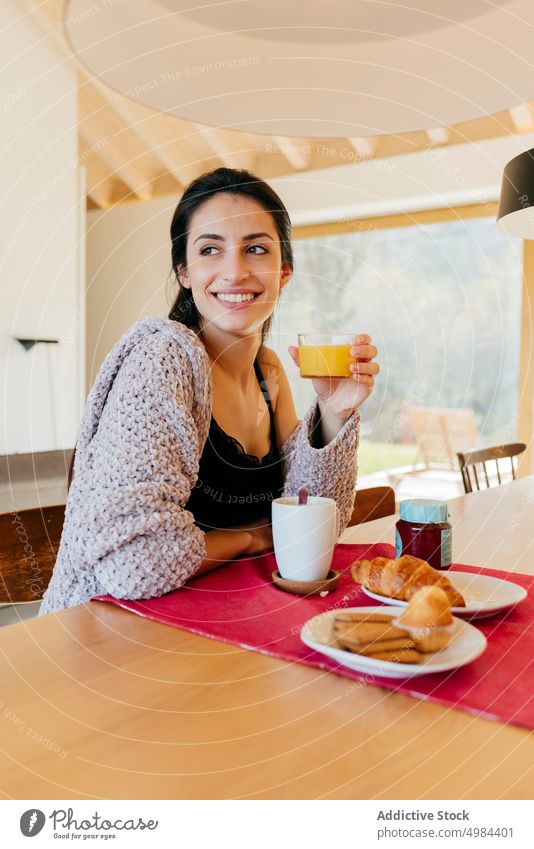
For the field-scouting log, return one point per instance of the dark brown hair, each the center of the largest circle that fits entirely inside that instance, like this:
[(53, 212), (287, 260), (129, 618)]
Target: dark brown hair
[(234, 182)]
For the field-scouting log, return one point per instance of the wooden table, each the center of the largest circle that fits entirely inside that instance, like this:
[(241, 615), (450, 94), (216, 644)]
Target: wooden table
[(493, 528), (98, 703)]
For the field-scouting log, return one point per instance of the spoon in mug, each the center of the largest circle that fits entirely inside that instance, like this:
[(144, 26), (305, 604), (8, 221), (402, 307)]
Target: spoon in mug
[(303, 495)]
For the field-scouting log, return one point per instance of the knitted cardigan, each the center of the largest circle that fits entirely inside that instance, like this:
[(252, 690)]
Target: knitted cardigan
[(147, 418)]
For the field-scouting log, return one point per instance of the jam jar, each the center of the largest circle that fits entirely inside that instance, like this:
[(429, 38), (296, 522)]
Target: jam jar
[(424, 531)]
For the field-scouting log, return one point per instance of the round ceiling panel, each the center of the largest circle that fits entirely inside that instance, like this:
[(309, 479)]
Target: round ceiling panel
[(343, 68)]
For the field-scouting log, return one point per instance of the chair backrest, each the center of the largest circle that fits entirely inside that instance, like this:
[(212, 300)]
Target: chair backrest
[(470, 460), (372, 503), (441, 432), (29, 540)]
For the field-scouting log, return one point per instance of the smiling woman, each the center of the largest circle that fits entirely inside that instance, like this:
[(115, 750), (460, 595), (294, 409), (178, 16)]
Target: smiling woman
[(190, 430), (237, 268), (211, 204)]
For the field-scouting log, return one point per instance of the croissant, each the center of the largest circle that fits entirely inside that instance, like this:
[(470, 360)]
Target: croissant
[(402, 578)]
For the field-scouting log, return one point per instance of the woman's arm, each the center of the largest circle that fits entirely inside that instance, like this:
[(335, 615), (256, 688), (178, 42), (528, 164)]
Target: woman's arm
[(126, 518), (222, 546), (321, 456), (225, 545), (330, 470)]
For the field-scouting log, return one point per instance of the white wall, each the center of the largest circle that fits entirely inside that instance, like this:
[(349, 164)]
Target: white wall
[(128, 266), (41, 219), (128, 248)]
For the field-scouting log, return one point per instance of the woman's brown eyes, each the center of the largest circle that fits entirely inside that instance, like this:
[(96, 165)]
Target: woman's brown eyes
[(261, 250)]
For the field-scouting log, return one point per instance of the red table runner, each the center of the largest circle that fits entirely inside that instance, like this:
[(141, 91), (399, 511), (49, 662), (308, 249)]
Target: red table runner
[(238, 604)]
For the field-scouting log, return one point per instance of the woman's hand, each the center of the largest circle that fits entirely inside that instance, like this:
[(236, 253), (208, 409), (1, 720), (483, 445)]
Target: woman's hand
[(261, 539), (239, 541), (340, 396), (261, 535)]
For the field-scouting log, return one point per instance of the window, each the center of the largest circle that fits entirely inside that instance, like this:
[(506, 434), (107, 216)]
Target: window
[(442, 302)]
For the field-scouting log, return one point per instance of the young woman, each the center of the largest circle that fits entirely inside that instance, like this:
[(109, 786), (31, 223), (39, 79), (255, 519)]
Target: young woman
[(190, 430)]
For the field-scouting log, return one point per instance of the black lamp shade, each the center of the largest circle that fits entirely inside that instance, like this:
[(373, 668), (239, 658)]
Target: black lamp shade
[(516, 204)]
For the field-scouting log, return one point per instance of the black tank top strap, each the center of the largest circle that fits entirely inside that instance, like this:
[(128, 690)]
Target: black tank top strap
[(265, 392), (234, 487)]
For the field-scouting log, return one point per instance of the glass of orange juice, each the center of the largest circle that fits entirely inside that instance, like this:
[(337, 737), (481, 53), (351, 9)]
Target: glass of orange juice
[(325, 354)]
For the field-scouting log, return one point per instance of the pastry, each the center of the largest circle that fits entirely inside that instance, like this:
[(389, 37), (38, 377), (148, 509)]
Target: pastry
[(402, 578), (365, 632), (404, 642), (374, 635), (348, 616), (402, 656), (428, 619)]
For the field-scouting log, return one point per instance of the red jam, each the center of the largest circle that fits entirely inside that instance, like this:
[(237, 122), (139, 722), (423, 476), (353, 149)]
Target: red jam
[(424, 531)]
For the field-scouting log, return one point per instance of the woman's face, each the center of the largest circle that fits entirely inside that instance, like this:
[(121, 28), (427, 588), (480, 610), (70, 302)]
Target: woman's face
[(234, 263)]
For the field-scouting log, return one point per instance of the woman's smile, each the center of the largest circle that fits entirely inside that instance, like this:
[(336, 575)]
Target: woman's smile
[(234, 258), (236, 298)]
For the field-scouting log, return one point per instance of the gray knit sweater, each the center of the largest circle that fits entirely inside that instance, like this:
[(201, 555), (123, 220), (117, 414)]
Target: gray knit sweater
[(147, 418)]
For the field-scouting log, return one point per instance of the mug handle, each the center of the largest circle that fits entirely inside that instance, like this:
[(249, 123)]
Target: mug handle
[(338, 522)]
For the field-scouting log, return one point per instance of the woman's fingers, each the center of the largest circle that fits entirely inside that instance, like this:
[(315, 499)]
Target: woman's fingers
[(364, 352), (364, 368), (294, 354), (366, 379)]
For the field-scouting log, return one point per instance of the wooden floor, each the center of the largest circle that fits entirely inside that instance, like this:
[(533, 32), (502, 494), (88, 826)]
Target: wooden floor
[(28, 481), (12, 614)]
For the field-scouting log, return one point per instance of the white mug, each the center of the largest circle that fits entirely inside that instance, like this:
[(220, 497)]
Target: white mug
[(304, 536)]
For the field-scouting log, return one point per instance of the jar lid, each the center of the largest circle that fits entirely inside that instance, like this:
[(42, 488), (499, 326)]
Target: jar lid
[(424, 511)]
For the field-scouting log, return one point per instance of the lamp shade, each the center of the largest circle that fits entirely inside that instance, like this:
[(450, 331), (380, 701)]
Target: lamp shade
[(341, 68), (516, 203)]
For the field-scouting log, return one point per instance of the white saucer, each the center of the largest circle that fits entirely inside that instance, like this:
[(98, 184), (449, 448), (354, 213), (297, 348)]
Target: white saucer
[(483, 595), (466, 644)]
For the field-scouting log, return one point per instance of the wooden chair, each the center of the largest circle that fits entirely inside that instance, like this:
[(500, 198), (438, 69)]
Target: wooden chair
[(372, 503), (469, 461), (29, 540), (440, 432)]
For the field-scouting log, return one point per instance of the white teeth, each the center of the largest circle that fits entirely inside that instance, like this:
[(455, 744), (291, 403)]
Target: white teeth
[(236, 299)]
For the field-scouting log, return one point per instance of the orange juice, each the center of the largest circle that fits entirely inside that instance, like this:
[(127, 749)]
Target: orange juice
[(325, 360)]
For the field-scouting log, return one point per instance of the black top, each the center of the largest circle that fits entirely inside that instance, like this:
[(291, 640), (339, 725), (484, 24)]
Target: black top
[(234, 487)]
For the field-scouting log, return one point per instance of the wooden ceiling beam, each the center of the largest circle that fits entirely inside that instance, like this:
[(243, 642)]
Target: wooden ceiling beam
[(295, 151), (490, 127), (154, 133), (126, 155), (232, 148), (522, 118), (364, 147), (98, 181), (127, 172), (438, 135), (103, 189)]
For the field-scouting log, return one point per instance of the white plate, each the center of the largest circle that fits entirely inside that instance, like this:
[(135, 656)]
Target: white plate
[(466, 644), (483, 595)]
